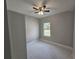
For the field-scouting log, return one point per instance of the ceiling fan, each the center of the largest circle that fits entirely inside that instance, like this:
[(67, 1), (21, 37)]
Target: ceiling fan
[(40, 9)]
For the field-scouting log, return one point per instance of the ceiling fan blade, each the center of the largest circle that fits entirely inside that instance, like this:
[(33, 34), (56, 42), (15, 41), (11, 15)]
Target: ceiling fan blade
[(36, 12), (35, 8), (46, 10)]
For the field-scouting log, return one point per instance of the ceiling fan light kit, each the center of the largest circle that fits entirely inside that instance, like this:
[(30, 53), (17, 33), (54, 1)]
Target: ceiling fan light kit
[(40, 13)]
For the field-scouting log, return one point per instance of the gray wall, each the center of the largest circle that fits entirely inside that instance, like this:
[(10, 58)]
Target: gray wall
[(32, 28), (62, 26), (16, 23)]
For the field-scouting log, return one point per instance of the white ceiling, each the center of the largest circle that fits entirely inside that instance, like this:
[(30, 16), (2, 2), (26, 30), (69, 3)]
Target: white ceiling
[(25, 6)]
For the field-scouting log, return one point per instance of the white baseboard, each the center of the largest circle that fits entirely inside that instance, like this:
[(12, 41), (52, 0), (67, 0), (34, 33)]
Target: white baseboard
[(58, 44)]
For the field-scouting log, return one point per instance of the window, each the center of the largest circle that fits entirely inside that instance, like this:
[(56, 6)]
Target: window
[(46, 29)]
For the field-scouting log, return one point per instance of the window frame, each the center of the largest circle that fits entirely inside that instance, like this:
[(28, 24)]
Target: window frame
[(49, 29)]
